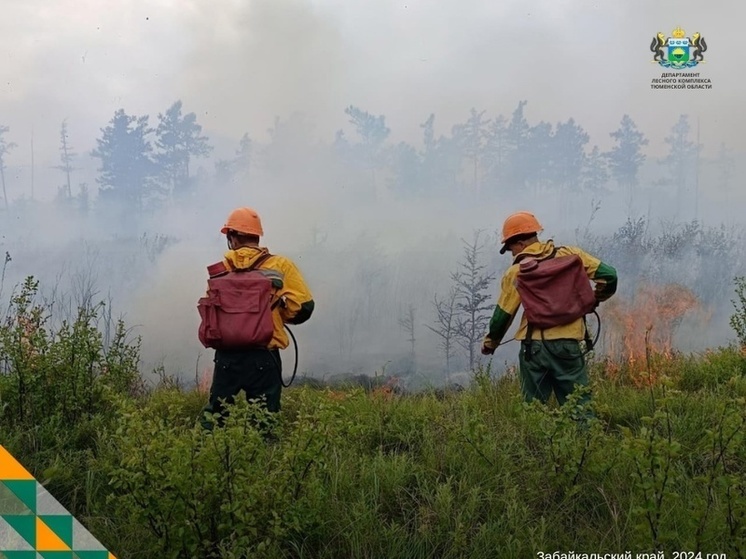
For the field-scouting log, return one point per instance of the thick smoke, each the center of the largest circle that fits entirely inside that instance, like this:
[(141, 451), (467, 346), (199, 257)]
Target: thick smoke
[(284, 72)]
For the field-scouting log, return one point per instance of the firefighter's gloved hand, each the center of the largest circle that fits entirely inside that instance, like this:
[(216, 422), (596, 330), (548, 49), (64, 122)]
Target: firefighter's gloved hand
[(487, 350)]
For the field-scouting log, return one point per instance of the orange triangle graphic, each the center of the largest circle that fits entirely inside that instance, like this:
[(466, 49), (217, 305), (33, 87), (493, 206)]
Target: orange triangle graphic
[(111, 556), (10, 468), (47, 540)]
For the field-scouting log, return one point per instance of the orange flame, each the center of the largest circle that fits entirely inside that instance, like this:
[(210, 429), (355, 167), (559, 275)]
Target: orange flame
[(386, 391), (204, 381), (337, 395), (644, 327), (28, 328)]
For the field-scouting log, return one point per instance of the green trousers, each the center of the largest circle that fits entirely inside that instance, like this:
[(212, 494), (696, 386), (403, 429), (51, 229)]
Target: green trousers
[(258, 372), (552, 366)]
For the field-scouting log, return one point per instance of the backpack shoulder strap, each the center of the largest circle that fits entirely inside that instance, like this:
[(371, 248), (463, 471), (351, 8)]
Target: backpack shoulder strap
[(259, 260), (255, 264), (549, 256)]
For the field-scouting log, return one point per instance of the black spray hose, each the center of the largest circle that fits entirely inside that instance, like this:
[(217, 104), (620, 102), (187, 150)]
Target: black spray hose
[(281, 302), (584, 353), (295, 367), (598, 332)]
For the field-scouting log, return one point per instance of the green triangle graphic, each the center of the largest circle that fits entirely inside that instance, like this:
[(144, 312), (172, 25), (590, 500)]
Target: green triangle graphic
[(92, 554), (56, 554), (10, 503), (20, 554), (24, 525), (10, 540), (24, 490), (62, 525)]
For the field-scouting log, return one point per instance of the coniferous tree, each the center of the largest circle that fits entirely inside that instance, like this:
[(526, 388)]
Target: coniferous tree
[(408, 322), (373, 132), (595, 173), (5, 148), (519, 155), (67, 155), (471, 137), (497, 153), (472, 284), (445, 325), (569, 157), (179, 139), (237, 168), (725, 163), (626, 157), (568, 161), (539, 156), (681, 159), (441, 162), (127, 172), (406, 165)]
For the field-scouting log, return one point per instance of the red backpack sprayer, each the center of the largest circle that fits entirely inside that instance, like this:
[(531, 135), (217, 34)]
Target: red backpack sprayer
[(236, 313)]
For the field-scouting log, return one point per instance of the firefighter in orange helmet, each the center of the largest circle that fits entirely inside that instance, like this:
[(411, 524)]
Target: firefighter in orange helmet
[(258, 371), (551, 359)]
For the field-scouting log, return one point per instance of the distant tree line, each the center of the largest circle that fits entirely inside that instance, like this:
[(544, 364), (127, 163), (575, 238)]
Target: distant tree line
[(142, 166)]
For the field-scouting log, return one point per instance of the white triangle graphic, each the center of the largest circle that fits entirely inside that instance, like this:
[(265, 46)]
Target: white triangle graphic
[(10, 540), (46, 504), (83, 540)]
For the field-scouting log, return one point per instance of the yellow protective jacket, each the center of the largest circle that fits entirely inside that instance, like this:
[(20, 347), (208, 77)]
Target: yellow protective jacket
[(603, 275), (298, 301)]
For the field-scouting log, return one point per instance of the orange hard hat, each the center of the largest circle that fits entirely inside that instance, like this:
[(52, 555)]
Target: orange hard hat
[(243, 220), (519, 223)]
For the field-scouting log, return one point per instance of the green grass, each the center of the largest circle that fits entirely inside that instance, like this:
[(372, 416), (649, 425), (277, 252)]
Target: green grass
[(362, 475), (353, 474)]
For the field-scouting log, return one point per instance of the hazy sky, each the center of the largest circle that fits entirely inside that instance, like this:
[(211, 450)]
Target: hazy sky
[(237, 64)]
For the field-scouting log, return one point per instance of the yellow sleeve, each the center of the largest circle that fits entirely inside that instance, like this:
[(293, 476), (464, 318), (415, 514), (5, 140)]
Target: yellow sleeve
[(508, 303), (602, 274), (509, 299), (299, 303)]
